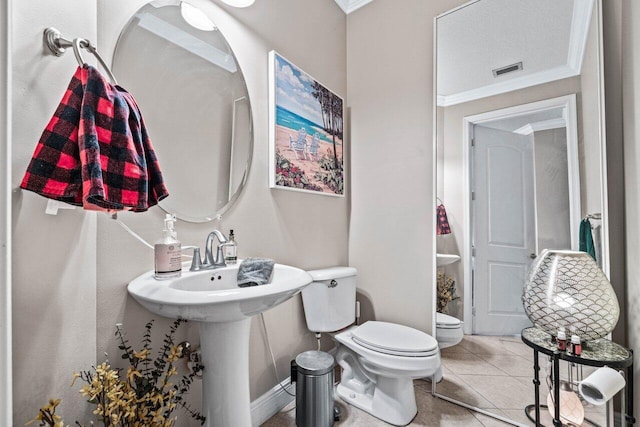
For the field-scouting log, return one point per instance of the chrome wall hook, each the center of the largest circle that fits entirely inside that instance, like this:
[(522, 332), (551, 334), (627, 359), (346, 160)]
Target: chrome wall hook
[(54, 41), (58, 45)]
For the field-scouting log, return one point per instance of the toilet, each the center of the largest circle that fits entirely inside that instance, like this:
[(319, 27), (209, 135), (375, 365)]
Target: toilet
[(380, 360), (448, 330)]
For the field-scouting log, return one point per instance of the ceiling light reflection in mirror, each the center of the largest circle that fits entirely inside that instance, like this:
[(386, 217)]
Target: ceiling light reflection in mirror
[(239, 3), (196, 18)]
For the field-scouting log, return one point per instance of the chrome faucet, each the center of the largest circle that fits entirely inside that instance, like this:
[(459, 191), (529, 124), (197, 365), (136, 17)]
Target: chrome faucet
[(210, 262)]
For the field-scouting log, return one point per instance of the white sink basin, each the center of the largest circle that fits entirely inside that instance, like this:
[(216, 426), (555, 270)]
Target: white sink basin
[(446, 259), (213, 295), (224, 311)]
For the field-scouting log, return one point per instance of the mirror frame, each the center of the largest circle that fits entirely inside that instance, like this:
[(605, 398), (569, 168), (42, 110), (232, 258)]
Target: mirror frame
[(217, 215)]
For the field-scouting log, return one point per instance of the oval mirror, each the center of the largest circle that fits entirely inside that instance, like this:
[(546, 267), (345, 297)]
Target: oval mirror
[(191, 91)]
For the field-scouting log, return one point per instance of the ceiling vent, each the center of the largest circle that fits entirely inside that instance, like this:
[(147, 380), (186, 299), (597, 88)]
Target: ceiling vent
[(497, 72)]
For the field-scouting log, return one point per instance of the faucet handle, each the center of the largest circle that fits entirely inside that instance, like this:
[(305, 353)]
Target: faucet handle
[(220, 261), (196, 262)]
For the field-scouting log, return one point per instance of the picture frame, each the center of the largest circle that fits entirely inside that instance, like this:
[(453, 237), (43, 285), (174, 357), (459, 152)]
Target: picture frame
[(306, 132)]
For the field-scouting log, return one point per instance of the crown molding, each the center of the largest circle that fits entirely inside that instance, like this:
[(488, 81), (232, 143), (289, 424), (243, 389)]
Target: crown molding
[(582, 14), (540, 126), (561, 72), (349, 6)]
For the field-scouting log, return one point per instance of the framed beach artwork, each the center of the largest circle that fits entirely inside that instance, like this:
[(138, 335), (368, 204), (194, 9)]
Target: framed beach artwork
[(305, 132)]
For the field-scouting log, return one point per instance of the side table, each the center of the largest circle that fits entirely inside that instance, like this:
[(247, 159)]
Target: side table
[(598, 353)]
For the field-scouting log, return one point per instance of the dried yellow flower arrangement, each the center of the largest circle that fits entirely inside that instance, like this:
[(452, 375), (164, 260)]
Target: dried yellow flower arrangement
[(143, 396), (446, 288)]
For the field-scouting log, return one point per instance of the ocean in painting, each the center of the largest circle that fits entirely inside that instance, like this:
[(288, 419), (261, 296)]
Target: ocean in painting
[(294, 122)]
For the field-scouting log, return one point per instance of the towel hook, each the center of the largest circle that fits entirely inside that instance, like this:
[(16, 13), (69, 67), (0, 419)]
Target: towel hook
[(57, 45), (91, 48), (76, 51)]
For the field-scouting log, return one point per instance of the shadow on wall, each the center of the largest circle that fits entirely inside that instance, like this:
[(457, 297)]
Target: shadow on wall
[(366, 306)]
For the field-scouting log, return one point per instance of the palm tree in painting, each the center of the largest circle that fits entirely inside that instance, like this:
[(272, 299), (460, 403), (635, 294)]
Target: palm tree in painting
[(331, 106)]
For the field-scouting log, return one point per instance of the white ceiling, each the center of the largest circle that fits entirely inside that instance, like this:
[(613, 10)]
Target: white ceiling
[(547, 36), (350, 5)]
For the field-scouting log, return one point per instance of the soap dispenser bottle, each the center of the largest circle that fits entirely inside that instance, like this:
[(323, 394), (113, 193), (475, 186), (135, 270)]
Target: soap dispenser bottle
[(168, 252), (231, 249)]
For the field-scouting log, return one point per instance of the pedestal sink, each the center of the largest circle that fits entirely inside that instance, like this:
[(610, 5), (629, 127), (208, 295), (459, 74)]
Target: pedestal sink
[(224, 311)]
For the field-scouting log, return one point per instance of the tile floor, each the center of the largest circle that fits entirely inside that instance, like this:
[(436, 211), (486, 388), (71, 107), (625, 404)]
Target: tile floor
[(493, 373)]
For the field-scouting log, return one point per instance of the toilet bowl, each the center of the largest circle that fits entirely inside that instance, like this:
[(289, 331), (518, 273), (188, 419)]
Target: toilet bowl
[(448, 330), (380, 360)]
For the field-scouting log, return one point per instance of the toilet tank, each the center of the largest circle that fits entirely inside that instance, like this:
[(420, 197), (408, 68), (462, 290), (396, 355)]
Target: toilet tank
[(330, 300)]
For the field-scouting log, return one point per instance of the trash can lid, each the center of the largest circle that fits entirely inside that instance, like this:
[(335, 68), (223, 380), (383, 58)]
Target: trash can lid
[(314, 362)]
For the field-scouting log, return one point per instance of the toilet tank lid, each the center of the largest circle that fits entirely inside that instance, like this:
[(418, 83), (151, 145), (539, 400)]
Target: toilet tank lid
[(332, 273)]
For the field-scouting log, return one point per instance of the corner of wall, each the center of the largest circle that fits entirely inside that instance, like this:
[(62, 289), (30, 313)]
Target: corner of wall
[(6, 389)]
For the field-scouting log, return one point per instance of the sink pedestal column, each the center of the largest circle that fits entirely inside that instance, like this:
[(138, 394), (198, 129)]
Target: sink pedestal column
[(225, 382)]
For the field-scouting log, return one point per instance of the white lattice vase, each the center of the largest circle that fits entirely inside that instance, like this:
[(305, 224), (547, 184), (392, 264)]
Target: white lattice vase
[(568, 289)]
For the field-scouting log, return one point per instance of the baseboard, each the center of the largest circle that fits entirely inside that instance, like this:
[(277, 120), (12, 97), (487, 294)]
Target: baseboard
[(270, 403)]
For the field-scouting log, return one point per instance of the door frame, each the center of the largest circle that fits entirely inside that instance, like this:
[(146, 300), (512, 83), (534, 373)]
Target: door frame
[(569, 103)]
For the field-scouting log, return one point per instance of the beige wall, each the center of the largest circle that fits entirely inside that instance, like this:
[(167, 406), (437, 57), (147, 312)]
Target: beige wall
[(613, 61), (54, 257), (631, 104), (6, 395), (552, 189), (390, 75), (71, 270)]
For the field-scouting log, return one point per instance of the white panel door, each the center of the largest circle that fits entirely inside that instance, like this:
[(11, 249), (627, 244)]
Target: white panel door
[(504, 229)]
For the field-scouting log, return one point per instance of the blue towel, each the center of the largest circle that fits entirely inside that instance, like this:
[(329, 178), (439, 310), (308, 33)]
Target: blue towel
[(586, 239), (254, 272)]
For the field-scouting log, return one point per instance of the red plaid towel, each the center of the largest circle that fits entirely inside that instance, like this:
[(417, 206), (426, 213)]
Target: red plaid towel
[(95, 152), (442, 226)]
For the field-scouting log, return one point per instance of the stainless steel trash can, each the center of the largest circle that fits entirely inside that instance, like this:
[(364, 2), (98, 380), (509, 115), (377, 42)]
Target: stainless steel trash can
[(313, 373)]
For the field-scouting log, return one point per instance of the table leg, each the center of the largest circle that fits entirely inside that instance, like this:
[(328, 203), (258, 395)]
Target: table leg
[(628, 391), (536, 385), (556, 390)]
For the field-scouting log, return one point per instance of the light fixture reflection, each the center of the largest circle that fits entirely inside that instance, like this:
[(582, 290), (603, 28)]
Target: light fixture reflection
[(239, 3), (195, 17)]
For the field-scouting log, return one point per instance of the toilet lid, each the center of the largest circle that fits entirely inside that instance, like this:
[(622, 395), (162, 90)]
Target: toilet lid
[(391, 338), (446, 321)]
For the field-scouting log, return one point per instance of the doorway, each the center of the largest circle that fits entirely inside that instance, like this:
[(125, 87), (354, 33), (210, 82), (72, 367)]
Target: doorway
[(523, 197)]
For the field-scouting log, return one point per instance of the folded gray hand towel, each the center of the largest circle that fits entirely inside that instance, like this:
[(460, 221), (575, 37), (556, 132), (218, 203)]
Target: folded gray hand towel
[(254, 272)]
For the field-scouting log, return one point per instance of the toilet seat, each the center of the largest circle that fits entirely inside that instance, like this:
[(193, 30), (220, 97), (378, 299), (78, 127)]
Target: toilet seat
[(379, 366), (444, 321), (394, 339), (448, 330)]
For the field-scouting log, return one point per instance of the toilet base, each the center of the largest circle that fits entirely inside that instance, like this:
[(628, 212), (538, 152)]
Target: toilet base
[(448, 337), (399, 410), (448, 330), (391, 399)]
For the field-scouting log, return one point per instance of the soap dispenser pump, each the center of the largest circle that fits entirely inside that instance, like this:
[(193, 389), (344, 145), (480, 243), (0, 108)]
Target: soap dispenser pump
[(168, 251)]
